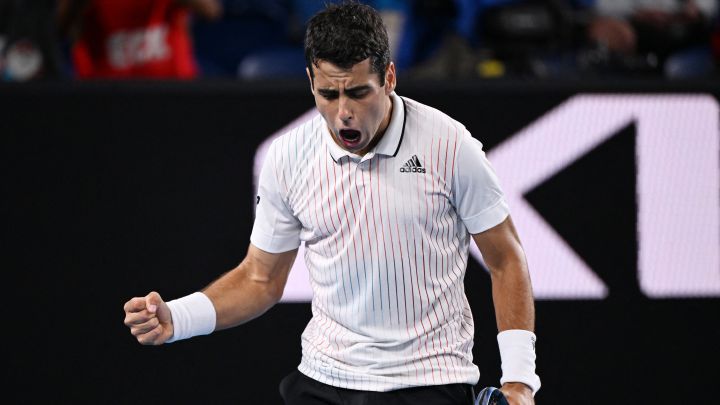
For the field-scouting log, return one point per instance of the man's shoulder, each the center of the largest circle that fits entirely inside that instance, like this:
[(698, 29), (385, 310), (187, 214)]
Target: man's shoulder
[(431, 118)]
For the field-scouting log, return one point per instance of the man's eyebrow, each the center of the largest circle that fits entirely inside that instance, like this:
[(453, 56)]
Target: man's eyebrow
[(355, 89)]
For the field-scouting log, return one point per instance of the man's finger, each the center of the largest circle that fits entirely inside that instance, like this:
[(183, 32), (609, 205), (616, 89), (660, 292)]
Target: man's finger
[(152, 301), (491, 396), (136, 304), (138, 318), (150, 337), (145, 327)]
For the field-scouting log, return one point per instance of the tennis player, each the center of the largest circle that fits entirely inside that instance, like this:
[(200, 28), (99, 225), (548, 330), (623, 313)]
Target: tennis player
[(386, 193)]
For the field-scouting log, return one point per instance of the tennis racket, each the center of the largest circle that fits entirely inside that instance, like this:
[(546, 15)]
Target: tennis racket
[(491, 396)]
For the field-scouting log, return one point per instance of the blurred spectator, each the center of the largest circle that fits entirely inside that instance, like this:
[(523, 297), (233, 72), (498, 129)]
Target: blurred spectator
[(488, 38), (133, 38), (672, 34), (557, 38), (28, 41)]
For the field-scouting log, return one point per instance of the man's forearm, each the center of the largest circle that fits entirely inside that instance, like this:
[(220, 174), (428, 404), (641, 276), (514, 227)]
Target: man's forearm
[(515, 313), (512, 296), (240, 296)]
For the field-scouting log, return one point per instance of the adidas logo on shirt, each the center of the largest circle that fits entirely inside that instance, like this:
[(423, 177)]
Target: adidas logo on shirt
[(412, 166)]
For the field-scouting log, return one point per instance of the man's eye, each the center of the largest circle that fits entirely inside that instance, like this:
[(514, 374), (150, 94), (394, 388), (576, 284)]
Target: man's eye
[(358, 95), (329, 96)]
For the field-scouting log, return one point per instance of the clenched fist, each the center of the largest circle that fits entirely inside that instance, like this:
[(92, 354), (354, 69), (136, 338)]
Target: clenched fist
[(149, 319)]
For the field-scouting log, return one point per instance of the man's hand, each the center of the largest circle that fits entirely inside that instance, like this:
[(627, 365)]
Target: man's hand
[(149, 319), (517, 394)]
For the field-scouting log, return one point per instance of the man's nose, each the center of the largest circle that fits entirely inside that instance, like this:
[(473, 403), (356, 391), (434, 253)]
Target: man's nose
[(344, 111)]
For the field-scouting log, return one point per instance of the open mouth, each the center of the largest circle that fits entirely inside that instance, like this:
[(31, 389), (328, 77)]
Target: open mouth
[(350, 137)]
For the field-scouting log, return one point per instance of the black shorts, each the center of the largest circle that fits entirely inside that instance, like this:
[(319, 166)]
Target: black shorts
[(299, 389)]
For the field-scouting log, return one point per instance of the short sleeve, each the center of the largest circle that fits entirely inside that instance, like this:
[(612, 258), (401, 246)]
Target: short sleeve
[(478, 198), (276, 229)]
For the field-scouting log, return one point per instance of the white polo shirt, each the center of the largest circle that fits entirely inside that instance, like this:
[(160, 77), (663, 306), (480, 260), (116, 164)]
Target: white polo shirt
[(386, 239)]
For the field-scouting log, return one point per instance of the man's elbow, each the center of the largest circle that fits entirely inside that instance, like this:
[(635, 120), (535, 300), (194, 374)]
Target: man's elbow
[(506, 263), (277, 293), (270, 288)]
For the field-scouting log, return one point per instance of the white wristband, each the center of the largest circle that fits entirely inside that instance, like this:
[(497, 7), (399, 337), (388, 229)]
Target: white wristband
[(517, 352), (192, 315)]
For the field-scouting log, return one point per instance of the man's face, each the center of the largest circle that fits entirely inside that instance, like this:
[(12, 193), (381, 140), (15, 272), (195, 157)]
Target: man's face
[(354, 105)]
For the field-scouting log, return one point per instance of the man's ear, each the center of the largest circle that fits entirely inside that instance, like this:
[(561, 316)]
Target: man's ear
[(310, 79), (390, 79)]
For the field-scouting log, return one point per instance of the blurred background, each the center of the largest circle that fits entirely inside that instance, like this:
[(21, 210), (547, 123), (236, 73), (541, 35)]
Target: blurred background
[(430, 39), (131, 131)]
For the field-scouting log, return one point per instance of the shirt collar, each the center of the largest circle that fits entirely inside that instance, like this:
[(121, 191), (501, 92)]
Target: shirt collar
[(388, 145)]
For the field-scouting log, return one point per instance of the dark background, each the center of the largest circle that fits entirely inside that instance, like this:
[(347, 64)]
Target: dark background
[(111, 190)]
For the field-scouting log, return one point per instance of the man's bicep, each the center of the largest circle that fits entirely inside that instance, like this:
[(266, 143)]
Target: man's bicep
[(270, 266)]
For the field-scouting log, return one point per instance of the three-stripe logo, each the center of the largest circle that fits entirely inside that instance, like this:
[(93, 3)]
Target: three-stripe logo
[(412, 166)]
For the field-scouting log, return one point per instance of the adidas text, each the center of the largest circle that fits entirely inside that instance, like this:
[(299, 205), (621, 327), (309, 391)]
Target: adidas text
[(412, 170)]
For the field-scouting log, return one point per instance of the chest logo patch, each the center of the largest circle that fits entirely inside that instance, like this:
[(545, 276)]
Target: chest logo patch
[(413, 165)]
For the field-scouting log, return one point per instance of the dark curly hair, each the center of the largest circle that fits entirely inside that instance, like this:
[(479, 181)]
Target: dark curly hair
[(346, 34)]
